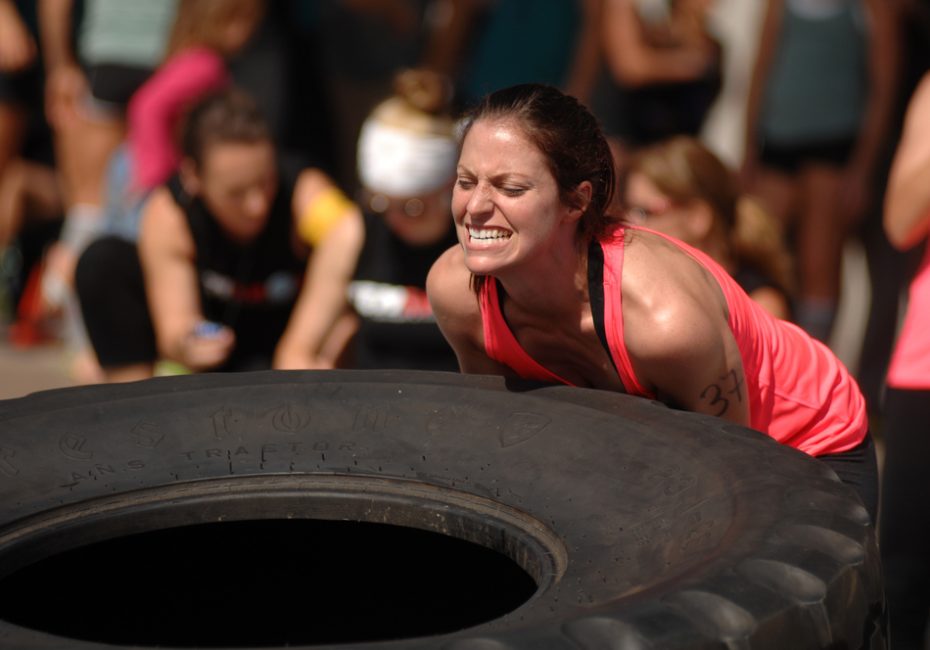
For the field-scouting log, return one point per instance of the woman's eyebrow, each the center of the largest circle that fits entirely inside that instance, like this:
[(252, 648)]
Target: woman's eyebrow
[(512, 177), (501, 177)]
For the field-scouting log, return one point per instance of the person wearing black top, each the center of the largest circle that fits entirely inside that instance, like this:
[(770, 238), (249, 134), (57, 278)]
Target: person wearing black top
[(222, 252), (373, 267)]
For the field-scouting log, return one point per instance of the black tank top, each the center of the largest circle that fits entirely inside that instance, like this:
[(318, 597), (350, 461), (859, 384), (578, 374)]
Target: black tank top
[(250, 288), (388, 291)]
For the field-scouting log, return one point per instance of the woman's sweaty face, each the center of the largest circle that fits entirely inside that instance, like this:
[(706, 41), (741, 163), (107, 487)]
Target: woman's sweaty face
[(506, 202)]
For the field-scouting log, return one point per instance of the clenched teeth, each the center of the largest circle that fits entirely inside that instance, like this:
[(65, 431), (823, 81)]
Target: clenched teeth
[(486, 234)]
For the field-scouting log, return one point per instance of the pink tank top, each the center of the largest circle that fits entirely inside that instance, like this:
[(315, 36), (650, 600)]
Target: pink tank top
[(800, 394), (910, 363)]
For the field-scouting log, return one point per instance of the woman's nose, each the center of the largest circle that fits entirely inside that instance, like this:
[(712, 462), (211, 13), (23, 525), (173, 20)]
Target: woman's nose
[(480, 200)]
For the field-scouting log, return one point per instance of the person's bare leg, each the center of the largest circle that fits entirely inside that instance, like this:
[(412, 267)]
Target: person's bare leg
[(134, 372), (821, 234), (83, 147), (12, 126), (28, 191), (83, 150)]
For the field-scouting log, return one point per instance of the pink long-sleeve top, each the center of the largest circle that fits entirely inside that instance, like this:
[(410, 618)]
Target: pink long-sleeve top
[(157, 107)]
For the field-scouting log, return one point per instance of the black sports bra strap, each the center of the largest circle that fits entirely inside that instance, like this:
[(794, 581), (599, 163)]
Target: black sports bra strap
[(596, 294)]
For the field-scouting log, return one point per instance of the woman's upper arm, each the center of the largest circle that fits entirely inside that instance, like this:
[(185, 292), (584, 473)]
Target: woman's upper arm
[(158, 105), (696, 367), (318, 205), (680, 342), (166, 252), (907, 200), (322, 299)]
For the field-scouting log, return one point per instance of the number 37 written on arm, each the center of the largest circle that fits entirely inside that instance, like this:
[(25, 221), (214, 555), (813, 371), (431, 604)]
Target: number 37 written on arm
[(720, 394)]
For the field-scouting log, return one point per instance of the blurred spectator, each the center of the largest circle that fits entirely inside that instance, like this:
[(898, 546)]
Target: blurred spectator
[(680, 188), (375, 264), (485, 45), (362, 44), (18, 51), (89, 81), (820, 108), (29, 191), (480, 44), (665, 66), (88, 85), (19, 67), (904, 534), (204, 35), (736, 24), (308, 121), (889, 269), (221, 254)]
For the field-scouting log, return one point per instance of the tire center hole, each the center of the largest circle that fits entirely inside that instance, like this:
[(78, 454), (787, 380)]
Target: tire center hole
[(265, 583)]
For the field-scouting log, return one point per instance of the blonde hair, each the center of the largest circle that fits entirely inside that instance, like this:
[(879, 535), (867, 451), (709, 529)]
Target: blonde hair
[(201, 22), (685, 170)]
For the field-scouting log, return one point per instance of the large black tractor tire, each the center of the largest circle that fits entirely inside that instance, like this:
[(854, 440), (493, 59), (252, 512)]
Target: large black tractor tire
[(416, 510)]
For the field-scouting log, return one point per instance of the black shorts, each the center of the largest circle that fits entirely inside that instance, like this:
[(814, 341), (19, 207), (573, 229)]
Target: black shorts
[(26, 91), (114, 85), (111, 291), (903, 529), (858, 468), (791, 158), (22, 88)]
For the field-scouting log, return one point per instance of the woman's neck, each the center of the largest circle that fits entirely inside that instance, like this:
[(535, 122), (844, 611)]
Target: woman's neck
[(553, 284)]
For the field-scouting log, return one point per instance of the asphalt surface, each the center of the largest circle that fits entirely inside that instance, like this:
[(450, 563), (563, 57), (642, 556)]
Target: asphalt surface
[(27, 370)]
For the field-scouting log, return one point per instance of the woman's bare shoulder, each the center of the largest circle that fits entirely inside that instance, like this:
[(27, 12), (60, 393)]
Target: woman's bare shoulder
[(163, 224), (458, 313), (449, 285), (668, 297)]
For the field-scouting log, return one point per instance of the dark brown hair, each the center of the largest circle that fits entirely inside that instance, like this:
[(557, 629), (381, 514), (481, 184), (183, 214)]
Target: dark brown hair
[(227, 116), (568, 136)]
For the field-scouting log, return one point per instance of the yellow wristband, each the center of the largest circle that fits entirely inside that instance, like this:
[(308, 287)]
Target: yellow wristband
[(324, 212)]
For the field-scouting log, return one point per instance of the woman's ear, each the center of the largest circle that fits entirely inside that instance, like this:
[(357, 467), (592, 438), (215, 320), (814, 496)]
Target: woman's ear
[(190, 178), (583, 194)]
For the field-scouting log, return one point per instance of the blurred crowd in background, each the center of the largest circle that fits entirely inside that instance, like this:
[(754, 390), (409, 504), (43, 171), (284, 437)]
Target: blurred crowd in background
[(786, 114)]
